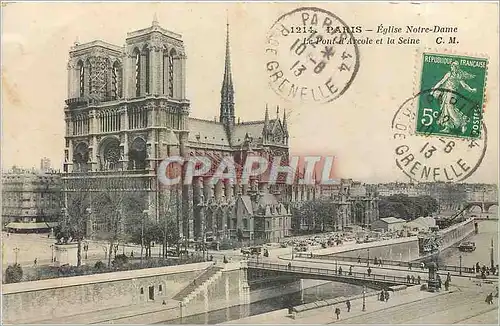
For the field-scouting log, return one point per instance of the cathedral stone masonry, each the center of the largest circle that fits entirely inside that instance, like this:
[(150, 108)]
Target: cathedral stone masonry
[(127, 111)]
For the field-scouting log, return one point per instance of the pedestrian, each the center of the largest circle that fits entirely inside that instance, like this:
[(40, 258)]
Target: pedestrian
[(493, 271), (34, 263), (382, 296), (439, 281), (359, 259), (348, 305), (448, 277), (386, 295), (289, 265), (369, 271), (350, 270), (477, 267), (340, 270), (422, 265), (408, 279), (48, 236), (489, 298), (164, 303), (446, 285), (337, 312), (380, 262), (419, 279), (375, 261), (413, 279)]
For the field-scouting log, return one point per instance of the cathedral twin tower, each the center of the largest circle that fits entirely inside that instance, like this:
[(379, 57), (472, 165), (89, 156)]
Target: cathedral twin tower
[(127, 111)]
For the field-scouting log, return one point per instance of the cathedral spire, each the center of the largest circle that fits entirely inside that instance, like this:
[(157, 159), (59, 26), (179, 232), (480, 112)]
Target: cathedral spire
[(227, 90), (155, 20), (285, 127), (266, 121)]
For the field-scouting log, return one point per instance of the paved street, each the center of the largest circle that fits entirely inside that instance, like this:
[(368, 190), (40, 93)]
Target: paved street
[(464, 304)]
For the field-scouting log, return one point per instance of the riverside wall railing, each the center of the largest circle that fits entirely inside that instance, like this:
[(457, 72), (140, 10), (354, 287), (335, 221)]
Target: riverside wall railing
[(328, 273), (416, 265)]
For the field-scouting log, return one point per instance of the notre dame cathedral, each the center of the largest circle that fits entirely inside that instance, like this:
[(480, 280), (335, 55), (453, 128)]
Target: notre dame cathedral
[(127, 111)]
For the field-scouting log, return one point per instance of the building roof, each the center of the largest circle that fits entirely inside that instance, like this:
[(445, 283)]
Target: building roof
[(392, 220), (424, 221), (254, 129), (207, 132)]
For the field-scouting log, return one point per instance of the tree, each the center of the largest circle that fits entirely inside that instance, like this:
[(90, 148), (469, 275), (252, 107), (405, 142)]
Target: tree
[(407, 207), (319, 215), (75, 215), (114, 207), (13, 273), (239, 236), (107, 200)]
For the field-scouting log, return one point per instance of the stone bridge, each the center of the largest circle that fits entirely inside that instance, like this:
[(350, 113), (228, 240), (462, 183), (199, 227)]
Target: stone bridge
[(266, 272), (484, 206)]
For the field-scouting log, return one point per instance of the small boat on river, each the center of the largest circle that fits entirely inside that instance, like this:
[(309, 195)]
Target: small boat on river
[(467, 246)]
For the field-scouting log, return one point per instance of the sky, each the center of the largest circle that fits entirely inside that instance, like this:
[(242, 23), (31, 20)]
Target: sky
[(355, 128)]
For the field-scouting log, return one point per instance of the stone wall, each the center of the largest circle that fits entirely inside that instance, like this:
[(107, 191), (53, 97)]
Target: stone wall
[(403, 249), (40, 300), (456, 233)]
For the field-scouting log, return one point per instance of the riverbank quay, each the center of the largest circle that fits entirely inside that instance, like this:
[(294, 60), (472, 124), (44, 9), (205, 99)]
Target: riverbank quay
[(464, 303)]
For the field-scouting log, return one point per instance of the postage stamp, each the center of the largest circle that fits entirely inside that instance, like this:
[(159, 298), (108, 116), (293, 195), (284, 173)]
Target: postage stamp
[(435, 158), (312, 56), (452, 89)]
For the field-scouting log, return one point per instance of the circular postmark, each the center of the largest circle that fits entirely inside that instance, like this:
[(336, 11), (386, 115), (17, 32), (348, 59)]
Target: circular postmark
[(311, 56), (426, 157)]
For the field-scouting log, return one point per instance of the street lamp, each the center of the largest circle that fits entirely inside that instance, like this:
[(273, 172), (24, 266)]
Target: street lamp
[(460, 273), (90, 230), (364, 298), (86, 248), (368, 261), (16, 251), (52, 250), (491, 255), (145, 212)]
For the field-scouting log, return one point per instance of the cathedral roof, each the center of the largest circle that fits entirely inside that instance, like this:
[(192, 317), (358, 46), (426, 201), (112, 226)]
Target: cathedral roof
[(254, 129), (247, 202), (210, 132)]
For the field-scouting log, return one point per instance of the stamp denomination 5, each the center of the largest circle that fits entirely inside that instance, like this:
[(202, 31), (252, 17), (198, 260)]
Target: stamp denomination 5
[(454, 105), (434, 158), (311, 56)]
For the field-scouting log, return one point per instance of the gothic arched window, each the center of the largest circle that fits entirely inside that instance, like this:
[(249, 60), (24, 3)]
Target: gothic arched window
[(89, 72), (81, 81), (171, 73), (137, 56), (146, 69), (165, 70), (116, 80)]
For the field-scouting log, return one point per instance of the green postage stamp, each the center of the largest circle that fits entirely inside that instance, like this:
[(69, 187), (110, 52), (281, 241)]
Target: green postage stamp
[(451, 95)]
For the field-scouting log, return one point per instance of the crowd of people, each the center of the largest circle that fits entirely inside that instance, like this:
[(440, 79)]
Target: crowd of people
[(486, 271)]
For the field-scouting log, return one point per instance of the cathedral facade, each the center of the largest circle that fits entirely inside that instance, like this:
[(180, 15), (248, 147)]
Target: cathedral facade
[(127, 111)]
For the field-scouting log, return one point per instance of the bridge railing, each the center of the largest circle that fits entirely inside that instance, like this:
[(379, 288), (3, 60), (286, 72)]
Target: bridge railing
[(449, 268), (328, 272)]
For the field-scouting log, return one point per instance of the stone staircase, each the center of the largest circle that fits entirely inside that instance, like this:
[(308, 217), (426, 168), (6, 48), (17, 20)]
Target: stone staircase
[(198, 283), (200, 291)]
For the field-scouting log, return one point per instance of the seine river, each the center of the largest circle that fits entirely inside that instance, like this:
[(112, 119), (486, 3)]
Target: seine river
[(488, 230)]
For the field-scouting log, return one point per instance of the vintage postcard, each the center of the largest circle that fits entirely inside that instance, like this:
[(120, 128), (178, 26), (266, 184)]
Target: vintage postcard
[(249, 162)]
